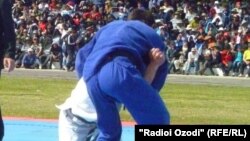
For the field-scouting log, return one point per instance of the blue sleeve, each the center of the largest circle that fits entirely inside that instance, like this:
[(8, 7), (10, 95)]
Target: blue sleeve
[(82, 55), (161, 74)]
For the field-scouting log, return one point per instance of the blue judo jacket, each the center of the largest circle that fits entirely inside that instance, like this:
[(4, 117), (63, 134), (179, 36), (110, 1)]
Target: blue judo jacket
[(133, 37)]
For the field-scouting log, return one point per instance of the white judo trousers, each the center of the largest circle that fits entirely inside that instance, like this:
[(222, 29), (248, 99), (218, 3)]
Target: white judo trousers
[(77, 118)]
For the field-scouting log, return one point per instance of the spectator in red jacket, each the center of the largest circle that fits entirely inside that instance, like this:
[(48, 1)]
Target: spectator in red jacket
[(227, 59)]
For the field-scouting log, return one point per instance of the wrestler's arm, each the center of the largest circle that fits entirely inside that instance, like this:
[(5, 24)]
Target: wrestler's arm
[(157, 58)]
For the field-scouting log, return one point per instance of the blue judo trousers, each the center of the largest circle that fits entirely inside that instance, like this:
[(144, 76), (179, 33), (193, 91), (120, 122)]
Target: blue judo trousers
[(113, 64)]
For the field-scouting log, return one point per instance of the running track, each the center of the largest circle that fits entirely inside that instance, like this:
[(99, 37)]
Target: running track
[(184, 79)]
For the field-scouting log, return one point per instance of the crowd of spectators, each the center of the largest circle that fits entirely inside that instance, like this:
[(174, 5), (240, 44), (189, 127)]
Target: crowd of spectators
[(199, 34)]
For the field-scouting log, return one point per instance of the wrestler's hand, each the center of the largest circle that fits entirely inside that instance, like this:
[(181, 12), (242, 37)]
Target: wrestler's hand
[(9, 64), (157, 57)]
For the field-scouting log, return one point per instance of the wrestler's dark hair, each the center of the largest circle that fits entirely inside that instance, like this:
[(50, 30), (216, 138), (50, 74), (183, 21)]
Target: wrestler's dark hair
[(142, 15)]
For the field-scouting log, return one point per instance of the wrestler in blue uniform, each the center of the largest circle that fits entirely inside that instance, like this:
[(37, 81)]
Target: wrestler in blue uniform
[(113, 64)]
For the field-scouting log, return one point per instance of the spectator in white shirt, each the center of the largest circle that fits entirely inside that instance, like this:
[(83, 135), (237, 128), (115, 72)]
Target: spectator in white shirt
[(192, 61)]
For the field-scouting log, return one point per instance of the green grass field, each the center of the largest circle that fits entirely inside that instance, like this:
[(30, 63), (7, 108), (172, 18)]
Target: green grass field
[(187, 104)]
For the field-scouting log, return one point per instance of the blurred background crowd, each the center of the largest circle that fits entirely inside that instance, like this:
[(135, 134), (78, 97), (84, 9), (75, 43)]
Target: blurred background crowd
[(202, 37)]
